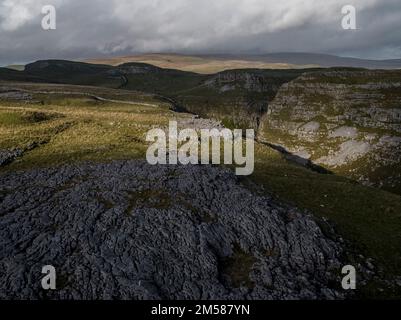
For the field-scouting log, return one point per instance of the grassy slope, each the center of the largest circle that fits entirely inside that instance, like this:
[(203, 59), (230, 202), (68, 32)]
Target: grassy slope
[(367, 217), (64, 128)]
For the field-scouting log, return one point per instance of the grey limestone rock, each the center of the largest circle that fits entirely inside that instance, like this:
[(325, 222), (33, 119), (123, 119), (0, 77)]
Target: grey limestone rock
[(128, 230)]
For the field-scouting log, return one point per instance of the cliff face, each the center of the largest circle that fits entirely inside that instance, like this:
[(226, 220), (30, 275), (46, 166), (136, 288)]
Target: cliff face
[(237, 97), (348, 121)]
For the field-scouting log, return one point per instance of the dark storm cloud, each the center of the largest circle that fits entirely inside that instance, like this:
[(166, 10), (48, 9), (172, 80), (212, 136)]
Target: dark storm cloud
[(93, 28)]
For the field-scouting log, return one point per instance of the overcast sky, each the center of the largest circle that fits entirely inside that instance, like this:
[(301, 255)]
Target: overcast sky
[(94, 28)]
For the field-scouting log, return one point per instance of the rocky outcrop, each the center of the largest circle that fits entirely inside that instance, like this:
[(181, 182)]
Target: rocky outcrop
[(14, 94), (253, 80), (8, 156), (128, 230), (344, 120)]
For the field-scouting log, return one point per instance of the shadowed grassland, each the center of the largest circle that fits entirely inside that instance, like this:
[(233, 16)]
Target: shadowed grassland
[(368, 218)]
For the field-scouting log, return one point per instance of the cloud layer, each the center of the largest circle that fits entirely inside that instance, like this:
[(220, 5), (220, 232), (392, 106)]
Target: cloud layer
[(93, 28)]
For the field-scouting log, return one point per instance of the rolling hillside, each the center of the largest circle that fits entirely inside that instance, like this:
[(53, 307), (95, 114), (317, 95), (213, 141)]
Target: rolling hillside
[(346, 120), (68, 122)]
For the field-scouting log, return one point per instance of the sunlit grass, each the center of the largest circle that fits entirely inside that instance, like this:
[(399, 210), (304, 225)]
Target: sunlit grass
[(74, 128)]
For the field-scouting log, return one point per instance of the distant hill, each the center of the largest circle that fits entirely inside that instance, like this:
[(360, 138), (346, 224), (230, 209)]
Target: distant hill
[(198, 64), (322, 60), (208, 64), (211, 64), (66, 72), (18, 67)]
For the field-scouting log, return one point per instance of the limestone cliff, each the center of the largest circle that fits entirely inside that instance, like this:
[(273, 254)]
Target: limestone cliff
[(346, 120)]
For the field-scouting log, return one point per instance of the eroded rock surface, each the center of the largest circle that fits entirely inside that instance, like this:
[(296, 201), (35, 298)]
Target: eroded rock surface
[(8, 156), (128, 230)]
